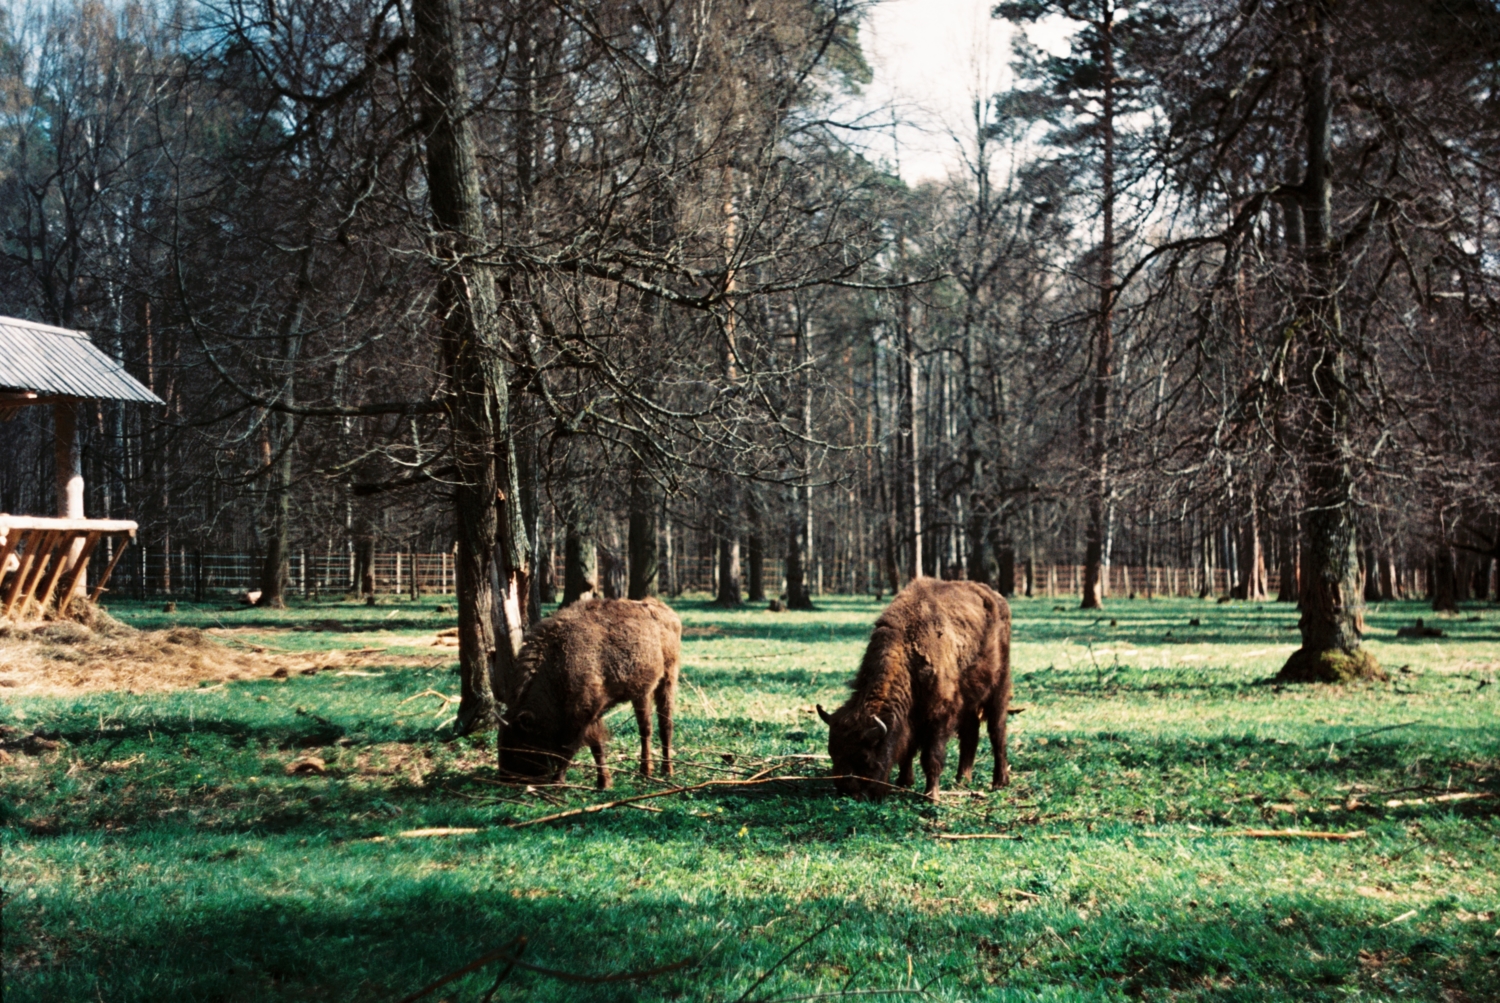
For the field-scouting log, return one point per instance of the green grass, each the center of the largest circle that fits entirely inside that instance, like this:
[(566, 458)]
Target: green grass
[(164, 853)]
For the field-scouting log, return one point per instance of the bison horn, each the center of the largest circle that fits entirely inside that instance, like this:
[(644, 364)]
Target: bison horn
[(884, 729), (827, 717)]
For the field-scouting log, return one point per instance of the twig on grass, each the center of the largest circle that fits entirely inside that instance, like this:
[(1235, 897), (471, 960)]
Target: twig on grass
[(1377, 731), (447, 701), (475, 965), (512, 957), (707, 707), (784, 958), (976, 835), (1295, 834), (593, 808), (1400, 919), (848, 992), (505, 972)]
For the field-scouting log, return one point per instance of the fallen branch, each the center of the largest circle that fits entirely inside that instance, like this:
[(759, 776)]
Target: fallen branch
[(429, 693), (769, 971), (443, 831), (1461, 796), (593, 808), (976, 835), (1377, 731), (519, 944), (1295, 834)]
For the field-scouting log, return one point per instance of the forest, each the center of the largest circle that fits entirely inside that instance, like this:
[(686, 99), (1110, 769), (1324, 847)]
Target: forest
[(470, 319)]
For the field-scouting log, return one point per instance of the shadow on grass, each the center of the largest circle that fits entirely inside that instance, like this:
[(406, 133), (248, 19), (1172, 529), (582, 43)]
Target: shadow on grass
[(374, 936)]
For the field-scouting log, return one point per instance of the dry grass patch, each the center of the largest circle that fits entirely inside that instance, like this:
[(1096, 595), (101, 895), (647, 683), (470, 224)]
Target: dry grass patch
[(63, 657)]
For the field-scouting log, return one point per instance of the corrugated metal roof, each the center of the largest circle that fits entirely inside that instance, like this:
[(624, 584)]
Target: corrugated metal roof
[(53, 361)]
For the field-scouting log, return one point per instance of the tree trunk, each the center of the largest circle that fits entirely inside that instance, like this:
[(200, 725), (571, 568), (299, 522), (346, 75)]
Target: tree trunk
[(642, 534), (1253, 554), (728, 533), (273, 574), (1444, 580), (977, 569), (755, 572), (1098, 485), (1287, 563), (910, 439), (1331, 622), (797, 594), (1372, 575), (1006, 574), (474, 369), (580, 564), (273, 570)]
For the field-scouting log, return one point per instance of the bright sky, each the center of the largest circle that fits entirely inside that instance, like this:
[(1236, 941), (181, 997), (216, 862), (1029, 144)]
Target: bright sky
[(930, 59)]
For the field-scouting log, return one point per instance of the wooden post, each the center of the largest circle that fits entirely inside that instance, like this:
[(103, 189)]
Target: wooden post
[(124, 545), (69, 464), (75, 575)]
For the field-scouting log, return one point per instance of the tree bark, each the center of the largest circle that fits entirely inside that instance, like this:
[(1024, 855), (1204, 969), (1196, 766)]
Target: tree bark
[(273, 572), (580, 564), (642, 534), (1098, 483), (1331, 622), (728, 533), (468, 315), (755, 571), (1287, 557)]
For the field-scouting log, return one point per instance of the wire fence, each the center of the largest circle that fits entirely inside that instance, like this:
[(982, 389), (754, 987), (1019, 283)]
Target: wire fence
[(156, 571)]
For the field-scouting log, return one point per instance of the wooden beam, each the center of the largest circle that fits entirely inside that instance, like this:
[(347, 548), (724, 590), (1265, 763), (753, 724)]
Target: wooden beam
[(38, 551), (28, 558), (80, 567), (84, 525), (99, 586), (62, 548)]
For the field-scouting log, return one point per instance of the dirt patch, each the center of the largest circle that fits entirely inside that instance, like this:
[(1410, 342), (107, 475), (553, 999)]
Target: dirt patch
[(103, 654)]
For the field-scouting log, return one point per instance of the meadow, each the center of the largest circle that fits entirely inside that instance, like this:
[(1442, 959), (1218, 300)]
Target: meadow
[(163, 850)]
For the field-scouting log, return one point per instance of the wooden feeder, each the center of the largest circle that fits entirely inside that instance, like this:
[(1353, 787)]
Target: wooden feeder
[(43, 559)]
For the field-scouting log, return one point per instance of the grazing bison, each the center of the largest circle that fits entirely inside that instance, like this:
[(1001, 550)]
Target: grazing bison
[(938, 661), (577, 664)]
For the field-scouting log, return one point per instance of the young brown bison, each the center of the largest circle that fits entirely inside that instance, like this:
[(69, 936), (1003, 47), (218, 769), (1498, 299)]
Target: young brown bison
[(938, 661), (578, 663)]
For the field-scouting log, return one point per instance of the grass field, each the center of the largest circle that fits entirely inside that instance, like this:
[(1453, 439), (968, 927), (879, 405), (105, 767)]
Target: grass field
[(163, 852)]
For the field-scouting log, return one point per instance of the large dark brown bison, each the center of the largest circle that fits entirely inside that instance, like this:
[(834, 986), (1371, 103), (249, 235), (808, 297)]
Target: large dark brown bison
[(577, 664), (938, 662)]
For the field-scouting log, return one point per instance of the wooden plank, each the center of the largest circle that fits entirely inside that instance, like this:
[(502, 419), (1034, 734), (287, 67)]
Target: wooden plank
[(62, 550), (39, 549), (37, 522), (70, 587), (27, 556), (99, 586)]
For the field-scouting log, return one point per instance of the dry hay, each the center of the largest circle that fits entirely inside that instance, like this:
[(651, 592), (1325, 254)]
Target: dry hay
[(96, 652)]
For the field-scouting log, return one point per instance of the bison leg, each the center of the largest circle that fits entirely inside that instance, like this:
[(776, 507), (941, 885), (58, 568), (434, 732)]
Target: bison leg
[(664, 696), (595, 738), (643, 724), (934, 754), (907, 776), (995, 716), (968, 745)]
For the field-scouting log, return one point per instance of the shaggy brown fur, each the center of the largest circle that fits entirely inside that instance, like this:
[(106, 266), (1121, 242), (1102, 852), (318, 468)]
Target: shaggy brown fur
[(577, 664), (938, 662)]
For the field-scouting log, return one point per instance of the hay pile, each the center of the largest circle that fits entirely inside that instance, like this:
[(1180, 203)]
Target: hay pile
[(90, 650)]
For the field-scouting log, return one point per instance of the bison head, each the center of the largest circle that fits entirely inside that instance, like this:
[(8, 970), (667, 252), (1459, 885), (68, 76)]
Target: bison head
[(862, 746), (525, 749)]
